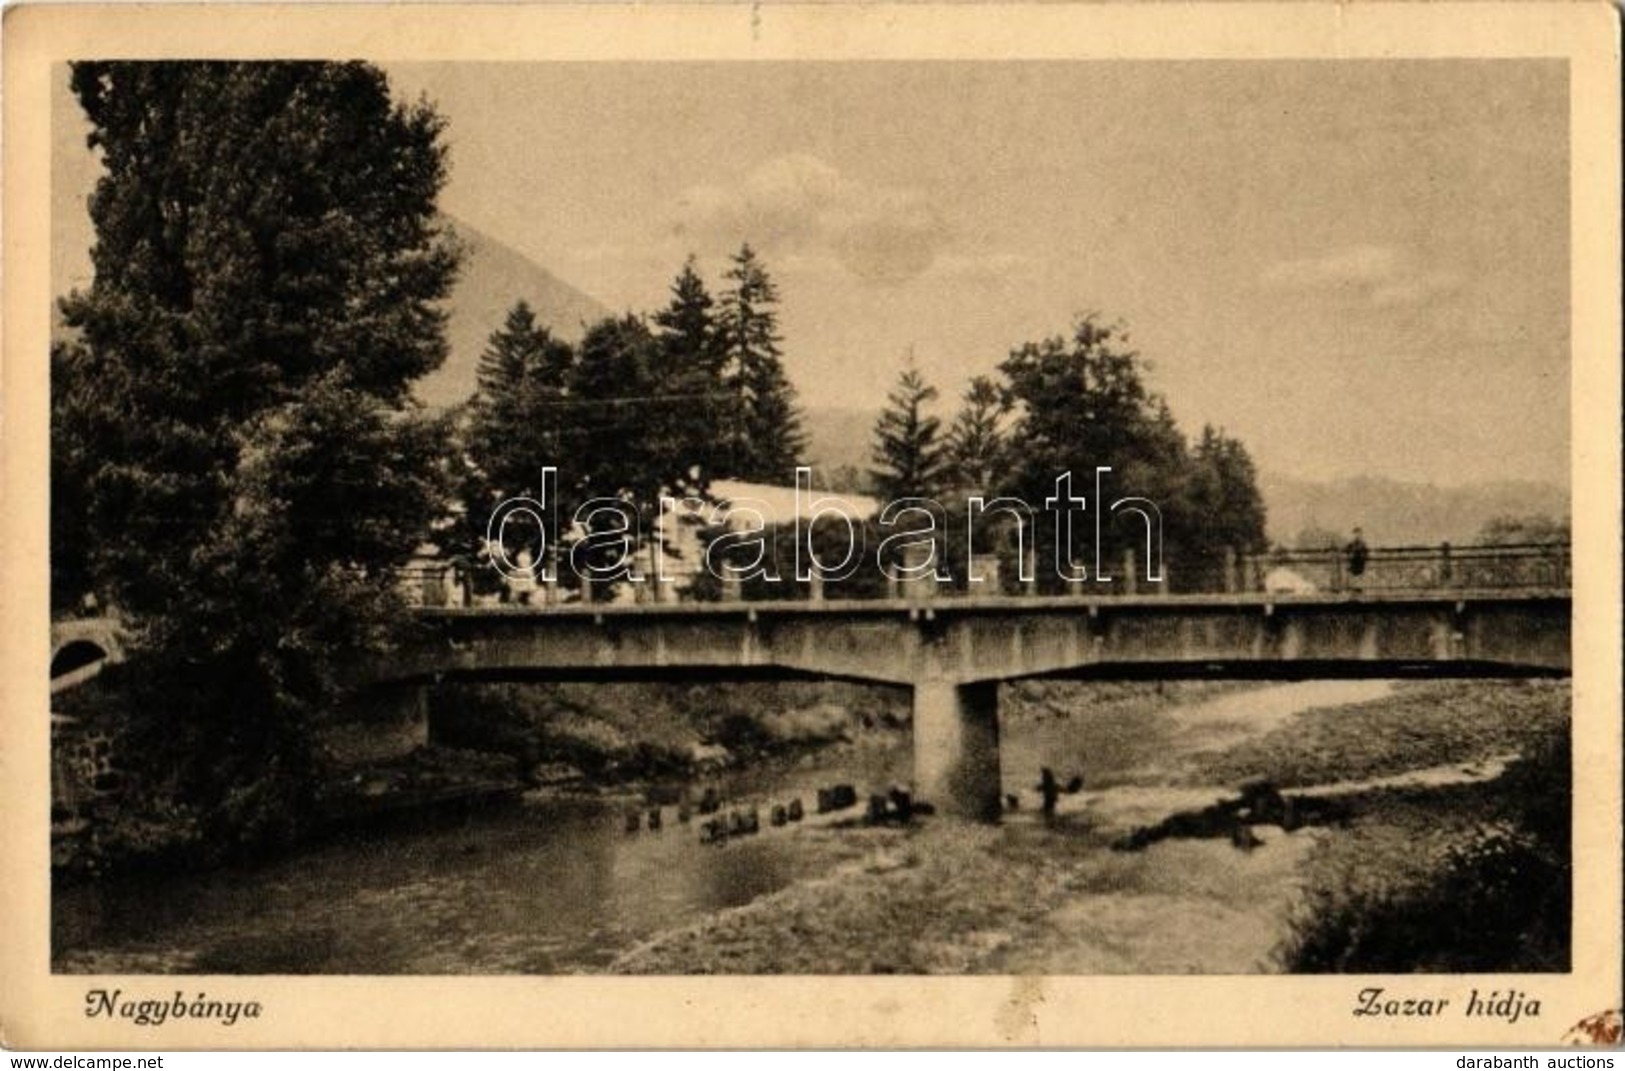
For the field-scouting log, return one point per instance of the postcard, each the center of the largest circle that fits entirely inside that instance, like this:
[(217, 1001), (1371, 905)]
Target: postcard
[(827, 525)]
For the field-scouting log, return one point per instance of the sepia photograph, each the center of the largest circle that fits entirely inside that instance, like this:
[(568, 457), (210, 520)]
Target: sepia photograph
[(843, 514)]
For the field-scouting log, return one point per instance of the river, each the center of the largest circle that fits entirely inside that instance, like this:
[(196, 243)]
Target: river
[(556, 885)]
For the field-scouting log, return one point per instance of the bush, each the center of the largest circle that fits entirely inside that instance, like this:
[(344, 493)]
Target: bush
[(1497, 900)]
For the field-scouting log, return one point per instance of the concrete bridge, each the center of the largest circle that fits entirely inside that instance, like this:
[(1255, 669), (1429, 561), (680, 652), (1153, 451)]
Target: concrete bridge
[(953, 653)]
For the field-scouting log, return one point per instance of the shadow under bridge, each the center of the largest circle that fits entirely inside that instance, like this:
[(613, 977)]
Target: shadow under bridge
[(953, 654)]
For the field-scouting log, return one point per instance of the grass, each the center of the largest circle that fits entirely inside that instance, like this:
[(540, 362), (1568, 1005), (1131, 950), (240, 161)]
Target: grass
[(1420, 725), (1466, 878)]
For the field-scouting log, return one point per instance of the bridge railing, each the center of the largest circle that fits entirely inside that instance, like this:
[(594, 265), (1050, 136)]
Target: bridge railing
[(1410, 568), (445, 583)]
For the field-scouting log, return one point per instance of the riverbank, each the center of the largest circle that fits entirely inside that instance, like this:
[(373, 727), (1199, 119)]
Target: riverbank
[(1453, 850), (1017, 899), (487, 744), (1036, 896), (490, 743), (556, 882), (1160, 864)]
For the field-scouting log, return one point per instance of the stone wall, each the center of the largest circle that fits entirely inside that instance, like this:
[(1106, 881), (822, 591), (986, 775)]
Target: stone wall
[(83, 767)]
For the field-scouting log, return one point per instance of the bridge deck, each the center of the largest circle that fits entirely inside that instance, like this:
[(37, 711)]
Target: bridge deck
[(1004, 604), (899, 641)]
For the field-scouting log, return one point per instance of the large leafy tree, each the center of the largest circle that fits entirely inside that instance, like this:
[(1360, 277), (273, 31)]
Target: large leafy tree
[(908, 451), (1225, 489), (1224, 501), (1082, 402), (615, 439), (233, 408), (765, 440), (73, 458)]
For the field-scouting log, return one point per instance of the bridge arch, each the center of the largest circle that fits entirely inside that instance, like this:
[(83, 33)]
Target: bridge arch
[(74, 655), (81, 647)]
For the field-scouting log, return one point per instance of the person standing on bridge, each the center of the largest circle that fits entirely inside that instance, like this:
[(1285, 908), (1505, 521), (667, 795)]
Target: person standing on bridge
[(523, 583), (1356, 553)]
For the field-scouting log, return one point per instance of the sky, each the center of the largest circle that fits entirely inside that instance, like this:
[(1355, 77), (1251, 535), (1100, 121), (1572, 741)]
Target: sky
[(1356, 267)]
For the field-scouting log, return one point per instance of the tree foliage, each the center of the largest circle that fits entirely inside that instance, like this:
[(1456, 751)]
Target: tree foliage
[(632, 436), (233, 412), (1081, 403), (908, 453), (1527, 528), (692, 374), (765, 439), (517, 417), (975, 454), (1224, 491), (640, 408), (620, 416)]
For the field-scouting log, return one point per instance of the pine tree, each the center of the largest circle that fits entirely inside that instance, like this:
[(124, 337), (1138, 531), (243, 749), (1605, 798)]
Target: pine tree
[(691, 377), (517, 412), (626, 437), (974, 456), (765, 440), (511, 429), (688, 325), (908, 458), (268, 267)]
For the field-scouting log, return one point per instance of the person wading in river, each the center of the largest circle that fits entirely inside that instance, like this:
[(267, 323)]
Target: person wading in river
[(1050, 789)]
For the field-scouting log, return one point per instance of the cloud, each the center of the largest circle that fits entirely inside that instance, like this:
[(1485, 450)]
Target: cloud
[(800, 207), (1415, 289), (984, 267), (1358, 265), (1378, 275)]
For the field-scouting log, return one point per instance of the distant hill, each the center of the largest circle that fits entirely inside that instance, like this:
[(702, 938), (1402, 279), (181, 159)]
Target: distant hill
[(1391, 512), (494, 276), (1394, 512)]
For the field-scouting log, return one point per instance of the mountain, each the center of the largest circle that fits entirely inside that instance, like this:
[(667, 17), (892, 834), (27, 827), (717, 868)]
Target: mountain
[(1396, 512), (493, 277), (1392, 512)]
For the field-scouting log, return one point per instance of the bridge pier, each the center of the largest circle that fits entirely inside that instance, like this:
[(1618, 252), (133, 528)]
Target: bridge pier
[(956, 748)]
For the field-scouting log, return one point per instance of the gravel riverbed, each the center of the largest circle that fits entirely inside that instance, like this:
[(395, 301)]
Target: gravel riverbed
[(1416, 762)]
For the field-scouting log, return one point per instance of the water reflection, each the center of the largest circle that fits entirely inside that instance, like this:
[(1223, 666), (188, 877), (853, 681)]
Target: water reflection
[(558, 886), (550, 886)]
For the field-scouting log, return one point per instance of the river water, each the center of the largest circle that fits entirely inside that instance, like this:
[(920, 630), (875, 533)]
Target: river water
[(556, 885)]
